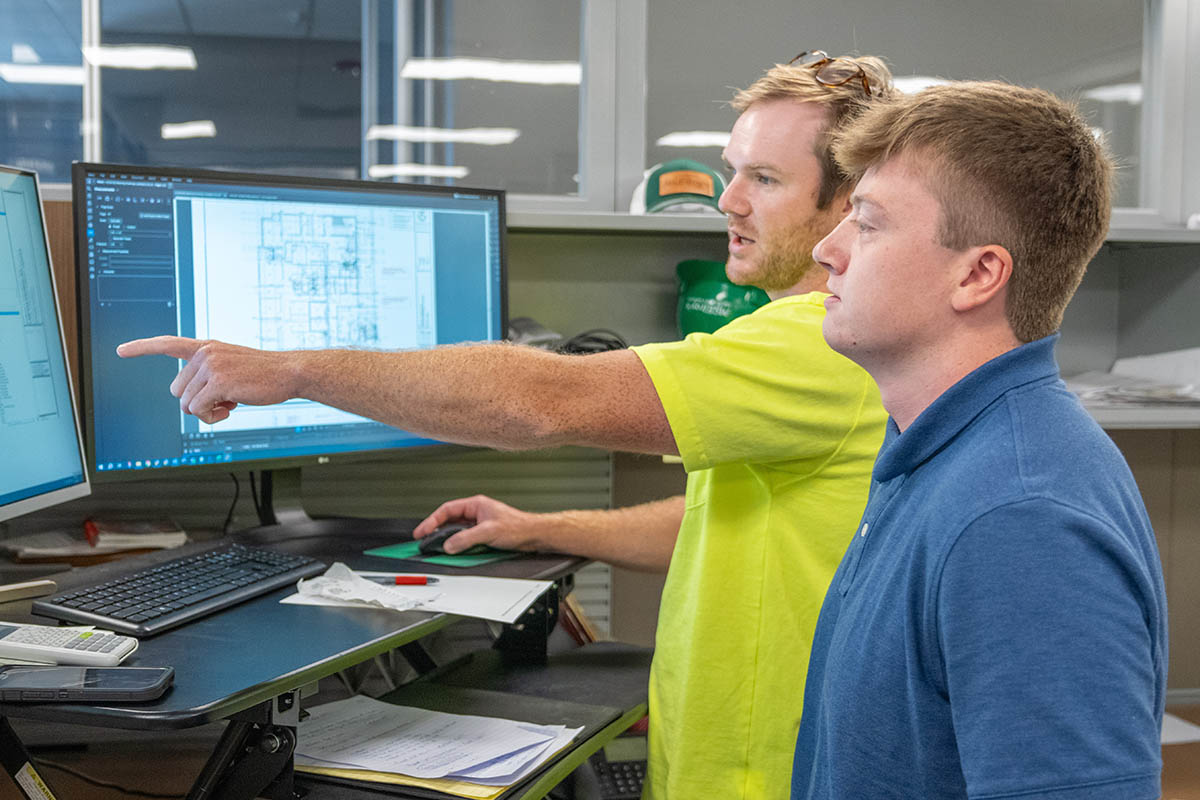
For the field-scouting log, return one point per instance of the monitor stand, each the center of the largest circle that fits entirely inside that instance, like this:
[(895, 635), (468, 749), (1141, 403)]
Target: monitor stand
[(284, 522), (279, 498)]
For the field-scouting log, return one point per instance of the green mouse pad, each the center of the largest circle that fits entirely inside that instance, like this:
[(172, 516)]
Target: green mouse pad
[(409, 551)]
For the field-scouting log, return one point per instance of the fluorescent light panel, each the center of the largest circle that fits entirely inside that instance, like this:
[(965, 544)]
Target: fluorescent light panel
[(694, 139), (911, 84), (42, 73), (416, 171), (25, 54), (1116, 93), (196, 129), (490, 69), (403, 133), (140, 56)]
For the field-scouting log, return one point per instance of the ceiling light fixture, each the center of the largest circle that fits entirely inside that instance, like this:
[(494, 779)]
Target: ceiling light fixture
[(42, 73), (694, 139), (196, 129), (490, 69), (140, 56), (416, 171), (25, 54), (1130, 93), (911, 84), (404, 133)]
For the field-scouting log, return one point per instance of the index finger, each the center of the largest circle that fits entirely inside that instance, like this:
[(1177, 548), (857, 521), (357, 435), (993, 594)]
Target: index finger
[(174, 346), (449, 510)]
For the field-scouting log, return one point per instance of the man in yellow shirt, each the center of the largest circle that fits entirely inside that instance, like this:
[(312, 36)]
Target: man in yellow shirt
[(778, 434)]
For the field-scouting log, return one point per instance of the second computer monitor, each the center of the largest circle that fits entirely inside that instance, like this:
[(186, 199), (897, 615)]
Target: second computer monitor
[(276, 263), (41, 460)]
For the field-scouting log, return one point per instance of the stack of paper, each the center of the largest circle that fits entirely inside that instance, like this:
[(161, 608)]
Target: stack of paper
[(459, 754), (1110, 388), (66, 545), (133, 534)]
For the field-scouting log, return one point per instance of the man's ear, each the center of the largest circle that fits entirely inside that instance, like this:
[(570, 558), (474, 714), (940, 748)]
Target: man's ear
[(984, 274)]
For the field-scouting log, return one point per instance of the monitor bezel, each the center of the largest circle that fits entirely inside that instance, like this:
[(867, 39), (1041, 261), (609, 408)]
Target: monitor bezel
[(75, 491), (80, 169)]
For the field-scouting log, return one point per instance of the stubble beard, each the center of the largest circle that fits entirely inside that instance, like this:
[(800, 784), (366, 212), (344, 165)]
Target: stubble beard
[(783, 264)]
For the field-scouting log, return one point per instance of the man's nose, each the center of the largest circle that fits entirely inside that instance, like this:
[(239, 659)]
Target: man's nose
[(830, 251), (731, 201)]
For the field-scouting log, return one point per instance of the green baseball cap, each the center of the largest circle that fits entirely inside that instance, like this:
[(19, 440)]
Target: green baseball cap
[(677, 183)]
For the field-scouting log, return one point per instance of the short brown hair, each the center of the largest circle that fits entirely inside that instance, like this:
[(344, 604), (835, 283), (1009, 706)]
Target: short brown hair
[(786, 82), (1010, 166)]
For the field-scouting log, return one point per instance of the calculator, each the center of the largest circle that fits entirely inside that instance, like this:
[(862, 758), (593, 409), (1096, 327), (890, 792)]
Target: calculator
[(51, 645), (620, 768)]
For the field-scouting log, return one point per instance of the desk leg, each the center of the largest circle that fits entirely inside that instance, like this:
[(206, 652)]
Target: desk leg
[(17, 763), (254, 755)]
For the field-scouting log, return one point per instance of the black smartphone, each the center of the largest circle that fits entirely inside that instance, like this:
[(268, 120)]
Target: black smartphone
[(83, 684)]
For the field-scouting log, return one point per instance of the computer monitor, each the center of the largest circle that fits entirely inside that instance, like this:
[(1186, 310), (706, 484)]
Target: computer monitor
[(273, 262), (42, 462)]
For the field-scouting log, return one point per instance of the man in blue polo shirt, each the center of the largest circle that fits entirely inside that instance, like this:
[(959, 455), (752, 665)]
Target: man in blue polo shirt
[(997, 628)]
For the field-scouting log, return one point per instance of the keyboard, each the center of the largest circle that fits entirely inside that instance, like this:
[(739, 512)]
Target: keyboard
[(168, 594)]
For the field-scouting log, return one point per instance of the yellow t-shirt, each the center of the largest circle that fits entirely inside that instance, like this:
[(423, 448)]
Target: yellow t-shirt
[(778, 434)]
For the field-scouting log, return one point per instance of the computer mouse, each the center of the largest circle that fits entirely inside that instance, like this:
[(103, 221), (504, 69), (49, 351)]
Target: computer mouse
[(435, 543)]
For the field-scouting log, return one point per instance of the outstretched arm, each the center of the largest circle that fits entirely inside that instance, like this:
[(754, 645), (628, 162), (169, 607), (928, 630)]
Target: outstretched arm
[(494, 395), (639, 537)]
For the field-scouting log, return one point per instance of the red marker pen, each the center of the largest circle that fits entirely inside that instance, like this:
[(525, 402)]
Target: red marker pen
[(404, 580), (414, 580)]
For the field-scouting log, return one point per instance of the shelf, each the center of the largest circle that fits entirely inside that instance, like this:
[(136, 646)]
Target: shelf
[(1153, 235), (1145, 417), (611, 222), (608, 222)]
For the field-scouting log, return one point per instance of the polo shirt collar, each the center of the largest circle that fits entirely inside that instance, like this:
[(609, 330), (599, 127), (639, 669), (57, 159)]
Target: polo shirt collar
[(956, 407)]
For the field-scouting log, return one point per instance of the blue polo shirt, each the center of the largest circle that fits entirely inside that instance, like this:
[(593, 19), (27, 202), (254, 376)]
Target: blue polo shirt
[(997, 628)]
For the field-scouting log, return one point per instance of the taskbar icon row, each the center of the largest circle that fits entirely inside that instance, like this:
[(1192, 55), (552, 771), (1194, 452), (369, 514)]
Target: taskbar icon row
[(158, 463)]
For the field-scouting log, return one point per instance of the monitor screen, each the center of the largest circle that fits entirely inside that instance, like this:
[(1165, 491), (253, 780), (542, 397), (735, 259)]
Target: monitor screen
[(271, 262), (42, 461)]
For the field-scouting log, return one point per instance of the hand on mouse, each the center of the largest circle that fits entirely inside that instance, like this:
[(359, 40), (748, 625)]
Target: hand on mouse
[(496, 524)]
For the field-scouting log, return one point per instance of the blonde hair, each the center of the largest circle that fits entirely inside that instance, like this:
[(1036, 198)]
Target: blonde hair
[(1009, 166), (799, 83)]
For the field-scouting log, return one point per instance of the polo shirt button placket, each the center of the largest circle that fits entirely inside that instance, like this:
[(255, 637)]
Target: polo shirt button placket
[(855, 556)]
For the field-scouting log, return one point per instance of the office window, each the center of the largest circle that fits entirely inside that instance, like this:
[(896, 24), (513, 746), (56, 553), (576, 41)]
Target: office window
[(483, 94), (232, 85), (41, 79), (1085, 49)]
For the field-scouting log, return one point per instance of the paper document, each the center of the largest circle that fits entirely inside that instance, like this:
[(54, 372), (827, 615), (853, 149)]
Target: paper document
[(499, 599), (1180, 367), (1110, 388), (1176, 730), (59, 543), (365, 734), (1171, 378)]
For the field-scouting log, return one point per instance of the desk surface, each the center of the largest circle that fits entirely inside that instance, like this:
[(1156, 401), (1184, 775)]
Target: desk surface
[(245, 655)]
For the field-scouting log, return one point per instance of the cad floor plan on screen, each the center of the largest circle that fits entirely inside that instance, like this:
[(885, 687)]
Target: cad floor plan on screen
[(286, 276), (27, 391), (312, 276)]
